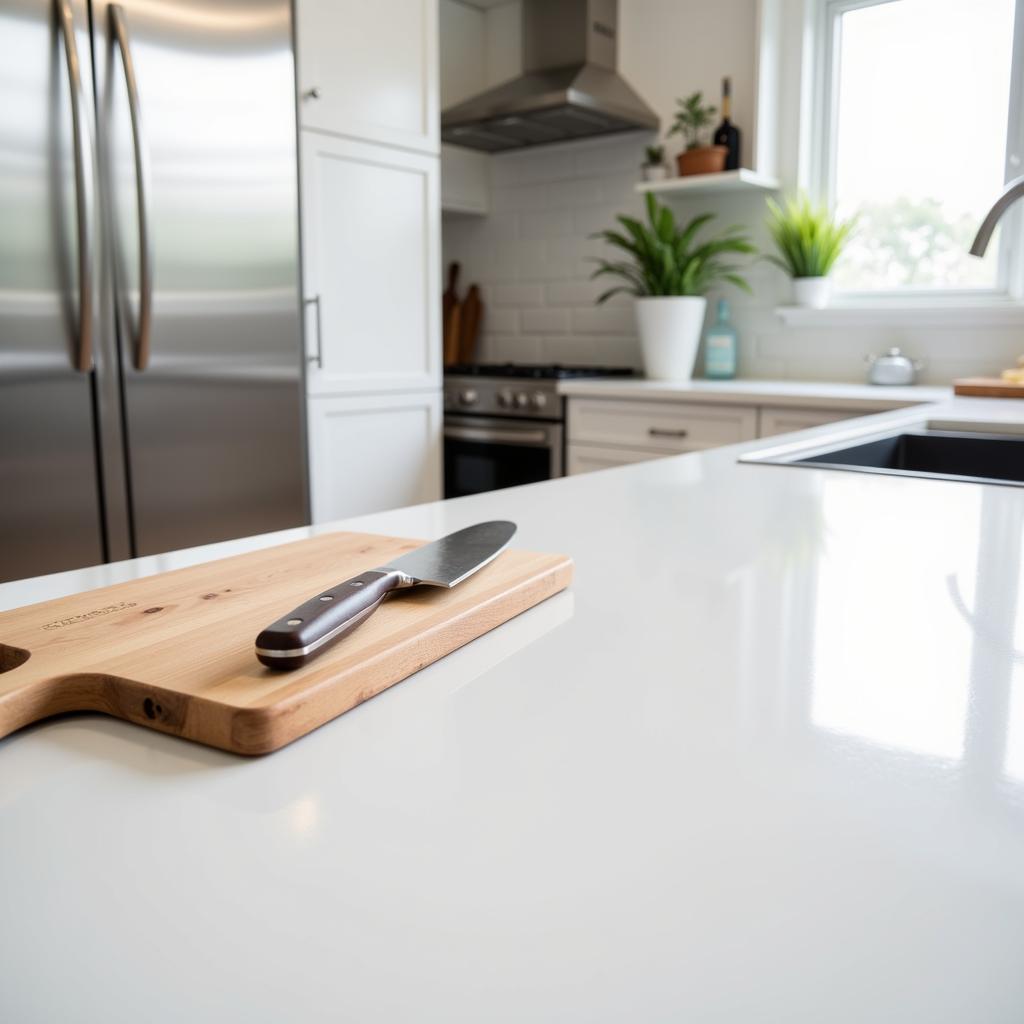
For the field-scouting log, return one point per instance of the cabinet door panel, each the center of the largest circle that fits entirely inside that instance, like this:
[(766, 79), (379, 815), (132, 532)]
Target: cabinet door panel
[(586, 458), (369, 70), (372, 453), (784, 421), (371, 224)]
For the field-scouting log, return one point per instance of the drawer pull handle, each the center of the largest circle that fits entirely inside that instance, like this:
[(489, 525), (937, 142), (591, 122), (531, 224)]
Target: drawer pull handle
[(659, 432)]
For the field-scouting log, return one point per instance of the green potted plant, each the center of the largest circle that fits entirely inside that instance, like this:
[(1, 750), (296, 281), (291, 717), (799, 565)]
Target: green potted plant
[(670, 271), (693, 121), (653, 168), (809, 239)]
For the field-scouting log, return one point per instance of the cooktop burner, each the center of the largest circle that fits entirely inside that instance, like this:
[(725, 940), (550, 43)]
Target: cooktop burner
[(533, 371)]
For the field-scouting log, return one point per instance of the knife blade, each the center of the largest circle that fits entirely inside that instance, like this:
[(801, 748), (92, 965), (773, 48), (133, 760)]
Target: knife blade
[(299, 636)]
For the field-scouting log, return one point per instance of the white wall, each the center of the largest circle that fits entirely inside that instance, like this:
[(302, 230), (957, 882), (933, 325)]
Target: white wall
[(671, 48), (531, 254), (461, 32)]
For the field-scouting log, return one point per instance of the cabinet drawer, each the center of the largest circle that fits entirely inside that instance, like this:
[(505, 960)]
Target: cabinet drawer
[(585, 458), (659, 426), (785, 421)]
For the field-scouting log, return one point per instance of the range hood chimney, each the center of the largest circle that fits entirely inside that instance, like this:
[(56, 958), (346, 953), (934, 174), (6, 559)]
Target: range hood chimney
[(569, 88)]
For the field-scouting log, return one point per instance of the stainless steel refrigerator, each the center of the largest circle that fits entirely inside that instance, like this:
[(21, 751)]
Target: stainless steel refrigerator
[(151, 382)]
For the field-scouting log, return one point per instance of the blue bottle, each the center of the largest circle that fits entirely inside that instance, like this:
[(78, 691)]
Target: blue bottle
[(720, 346)]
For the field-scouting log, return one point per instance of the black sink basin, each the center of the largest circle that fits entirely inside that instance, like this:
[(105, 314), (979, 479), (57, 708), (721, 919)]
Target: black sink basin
[(998, 457)]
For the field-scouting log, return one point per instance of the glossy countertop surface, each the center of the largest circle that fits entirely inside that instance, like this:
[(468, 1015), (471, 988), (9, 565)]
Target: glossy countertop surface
[(763, 762), (751, 391)]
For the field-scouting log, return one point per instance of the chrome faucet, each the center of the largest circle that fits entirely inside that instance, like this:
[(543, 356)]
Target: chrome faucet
[(1013, 191)]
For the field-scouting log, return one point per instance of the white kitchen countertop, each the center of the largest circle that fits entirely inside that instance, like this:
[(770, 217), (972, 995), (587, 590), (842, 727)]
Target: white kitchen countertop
[(807, 394), (763, 762)]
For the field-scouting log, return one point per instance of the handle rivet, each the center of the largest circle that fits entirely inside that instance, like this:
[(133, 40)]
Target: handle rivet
[(357, 583), (327, 597), (294, 622)]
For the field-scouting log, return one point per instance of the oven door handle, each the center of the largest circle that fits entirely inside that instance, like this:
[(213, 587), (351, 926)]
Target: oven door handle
[(489, 435)]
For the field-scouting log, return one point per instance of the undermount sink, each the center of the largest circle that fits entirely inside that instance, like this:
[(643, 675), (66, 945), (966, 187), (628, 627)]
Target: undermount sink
[(920, 452)]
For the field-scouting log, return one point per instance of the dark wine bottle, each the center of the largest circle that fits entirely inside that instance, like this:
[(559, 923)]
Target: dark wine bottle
[(727, 134)]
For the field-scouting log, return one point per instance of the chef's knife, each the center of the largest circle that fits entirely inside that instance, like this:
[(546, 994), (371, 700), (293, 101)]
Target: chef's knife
[(301, 634)]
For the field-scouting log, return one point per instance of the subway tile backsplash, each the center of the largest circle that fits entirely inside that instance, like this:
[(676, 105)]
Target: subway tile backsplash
[(532, 256)]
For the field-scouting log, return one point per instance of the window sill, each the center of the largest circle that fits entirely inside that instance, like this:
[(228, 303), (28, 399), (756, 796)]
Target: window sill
[(981, 314)]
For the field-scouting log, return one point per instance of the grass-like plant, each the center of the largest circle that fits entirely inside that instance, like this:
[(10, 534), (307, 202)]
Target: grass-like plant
[(808, 236), (654, 156), (693, 119), (666, 259)]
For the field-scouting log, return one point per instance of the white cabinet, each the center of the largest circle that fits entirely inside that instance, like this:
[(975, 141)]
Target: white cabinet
[(373, 452), (585, 458), (369, 70), (371, 242), (465, 183), (371, 225), (607, 432), (785, 421), (663, 427)]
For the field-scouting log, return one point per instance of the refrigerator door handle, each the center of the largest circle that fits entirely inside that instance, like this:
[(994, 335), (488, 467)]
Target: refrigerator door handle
[(319, 357), (84, 197), (145, 320)]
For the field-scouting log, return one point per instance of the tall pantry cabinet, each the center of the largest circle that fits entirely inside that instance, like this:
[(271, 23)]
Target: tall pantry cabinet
[(370, 155)]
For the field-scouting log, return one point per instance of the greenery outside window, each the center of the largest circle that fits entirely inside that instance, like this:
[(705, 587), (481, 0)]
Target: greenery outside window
[(919, 124)]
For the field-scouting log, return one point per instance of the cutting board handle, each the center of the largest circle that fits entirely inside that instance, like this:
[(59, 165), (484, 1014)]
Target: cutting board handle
[(453, 276), (29, 694), (12, 658)]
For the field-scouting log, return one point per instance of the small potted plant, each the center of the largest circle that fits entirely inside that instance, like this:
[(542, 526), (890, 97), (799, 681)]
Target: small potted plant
[(670, 273), (693, 121), (653, 168), (809, 239)]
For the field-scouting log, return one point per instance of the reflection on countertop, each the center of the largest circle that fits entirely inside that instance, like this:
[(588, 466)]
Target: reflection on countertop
[(766, 764)]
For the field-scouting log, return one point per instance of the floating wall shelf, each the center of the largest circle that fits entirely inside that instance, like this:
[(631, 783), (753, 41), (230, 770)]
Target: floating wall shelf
[(742, 180)]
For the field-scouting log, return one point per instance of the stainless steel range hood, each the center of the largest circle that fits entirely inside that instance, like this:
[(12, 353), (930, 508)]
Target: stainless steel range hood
[(569, 88)]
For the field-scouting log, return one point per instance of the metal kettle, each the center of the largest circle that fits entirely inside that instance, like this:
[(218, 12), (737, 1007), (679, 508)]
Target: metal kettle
[(892, 368)]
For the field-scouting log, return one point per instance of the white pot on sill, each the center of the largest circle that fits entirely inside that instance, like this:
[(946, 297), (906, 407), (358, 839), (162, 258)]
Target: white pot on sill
[(812, 292), (670, 328)]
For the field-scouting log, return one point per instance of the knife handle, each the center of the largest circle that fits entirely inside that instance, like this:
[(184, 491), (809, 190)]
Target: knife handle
[(299, 636)]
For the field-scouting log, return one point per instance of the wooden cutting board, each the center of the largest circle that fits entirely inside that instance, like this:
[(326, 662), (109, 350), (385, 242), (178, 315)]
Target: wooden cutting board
[(451, 331), (174, 652), (452, 334), (470, 314), (987, 387)]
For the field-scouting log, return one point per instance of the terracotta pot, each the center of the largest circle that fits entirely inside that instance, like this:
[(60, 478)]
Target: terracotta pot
[(702, 160)]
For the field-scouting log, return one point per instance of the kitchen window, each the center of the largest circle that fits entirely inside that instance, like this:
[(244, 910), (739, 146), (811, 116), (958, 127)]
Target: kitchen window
[(918, 126)]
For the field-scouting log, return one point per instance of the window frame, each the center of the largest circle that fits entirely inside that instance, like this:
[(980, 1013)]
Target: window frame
[(823, 145)]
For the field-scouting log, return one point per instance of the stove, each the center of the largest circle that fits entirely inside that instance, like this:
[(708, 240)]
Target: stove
[(504, 424), (520, 390)]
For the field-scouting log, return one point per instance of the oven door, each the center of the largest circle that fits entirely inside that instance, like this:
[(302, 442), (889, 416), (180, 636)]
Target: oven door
[(484, 454)]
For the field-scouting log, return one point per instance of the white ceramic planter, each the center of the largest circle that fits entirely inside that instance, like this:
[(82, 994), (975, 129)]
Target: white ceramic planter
[(654, 172), (813, 292), (670, 329)]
